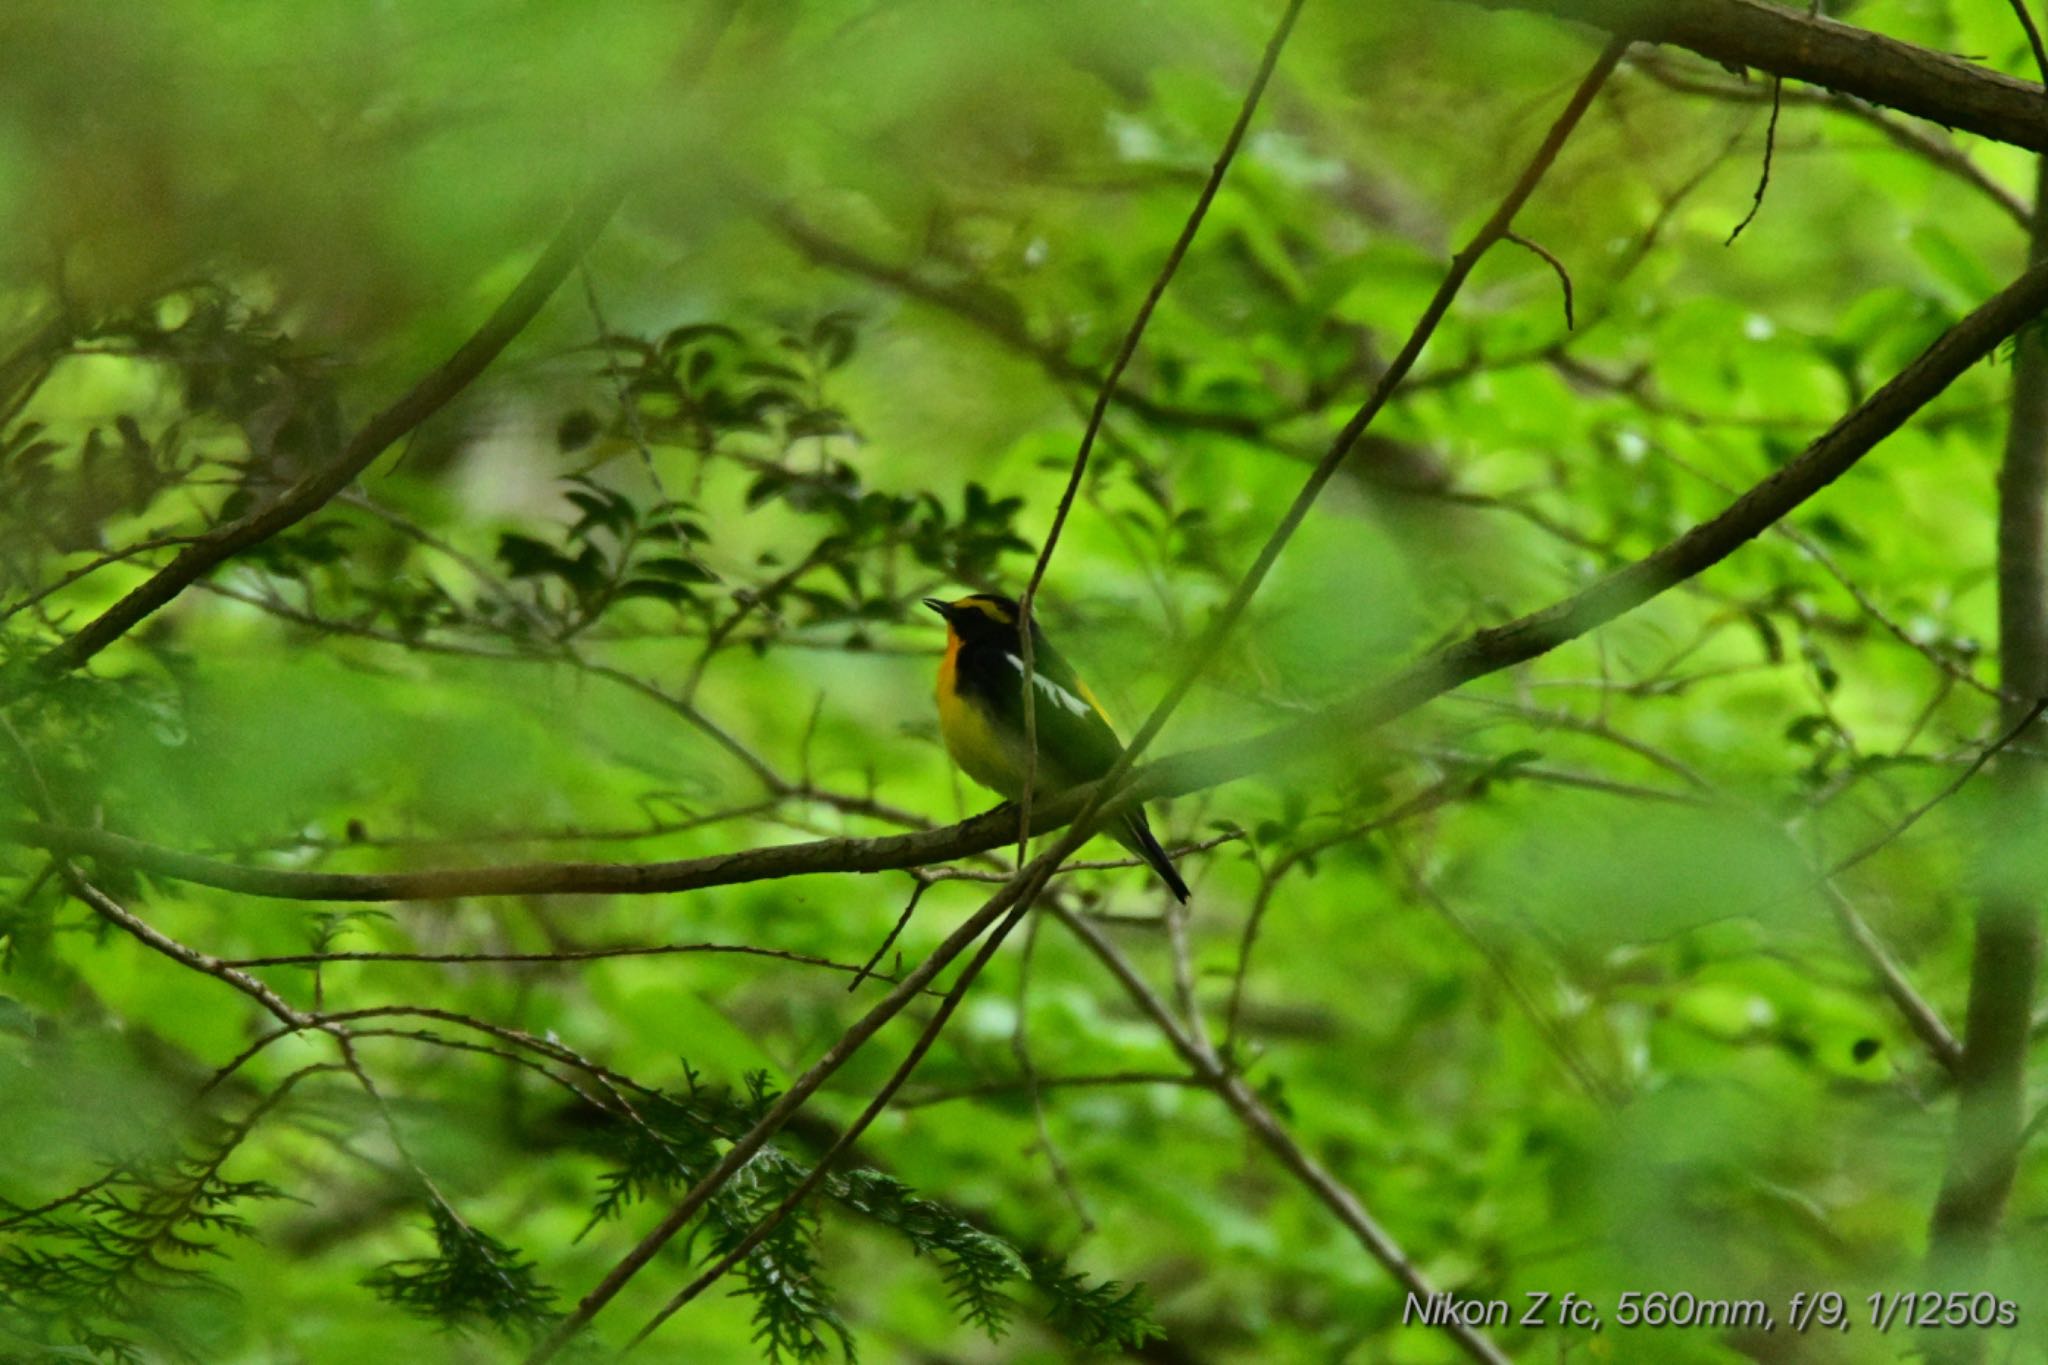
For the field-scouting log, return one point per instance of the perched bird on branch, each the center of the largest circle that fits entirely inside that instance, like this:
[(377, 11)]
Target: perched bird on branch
[(981, 717)]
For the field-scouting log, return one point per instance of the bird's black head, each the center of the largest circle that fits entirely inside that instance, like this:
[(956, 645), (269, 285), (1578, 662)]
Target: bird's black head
[(983, 618)]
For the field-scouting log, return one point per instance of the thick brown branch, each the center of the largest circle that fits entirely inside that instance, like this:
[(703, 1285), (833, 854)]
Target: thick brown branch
[(1825, 52)]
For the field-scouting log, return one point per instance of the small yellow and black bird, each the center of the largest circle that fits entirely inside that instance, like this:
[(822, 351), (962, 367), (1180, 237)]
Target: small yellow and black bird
[(981, 717)]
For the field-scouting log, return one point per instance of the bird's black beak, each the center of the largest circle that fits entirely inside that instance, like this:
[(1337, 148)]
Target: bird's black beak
[(940, 607)]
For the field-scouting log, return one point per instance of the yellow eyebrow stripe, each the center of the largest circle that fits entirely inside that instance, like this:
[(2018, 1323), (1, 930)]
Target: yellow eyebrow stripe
[(986, 608)]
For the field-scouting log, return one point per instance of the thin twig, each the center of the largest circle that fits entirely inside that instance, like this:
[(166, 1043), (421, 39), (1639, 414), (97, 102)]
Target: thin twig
[(1029, 882), (1262, 1123), (1174, 854), (971, 306), (566, 955), (1820, 555), (744, 1148), (151, 937), (1598, 729), (1020, 1048), (1101, 1080), (867, 969), (39, 799), (2026, 18), (1564, 277), (1984, 756), (1430, 798), (1492, 231), (372, 439), (1763, 180), (93, 566), (1907, 137), (1920, 1016), (1106, 393), (1596, 1087)]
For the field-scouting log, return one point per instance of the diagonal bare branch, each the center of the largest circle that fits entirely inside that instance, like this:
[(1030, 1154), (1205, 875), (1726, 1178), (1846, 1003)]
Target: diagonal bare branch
[(1231, 1088), (1964, 345), (1108, 389), (372, 439)]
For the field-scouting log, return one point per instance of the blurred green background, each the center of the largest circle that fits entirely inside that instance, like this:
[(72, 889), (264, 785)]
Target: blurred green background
[(648, 590)]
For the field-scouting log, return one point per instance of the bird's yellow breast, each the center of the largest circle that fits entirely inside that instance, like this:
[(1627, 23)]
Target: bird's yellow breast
[(975, 744)]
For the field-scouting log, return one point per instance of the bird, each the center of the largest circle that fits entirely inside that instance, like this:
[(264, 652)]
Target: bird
[(981, 717)]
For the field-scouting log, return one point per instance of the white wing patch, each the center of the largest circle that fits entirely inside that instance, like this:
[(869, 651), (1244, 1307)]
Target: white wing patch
[(1052, 690)]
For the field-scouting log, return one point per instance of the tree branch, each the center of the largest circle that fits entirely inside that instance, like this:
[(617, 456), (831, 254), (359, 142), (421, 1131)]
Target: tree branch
[(1490, 233), (1015, 895), (1983, 1158), (1260, 1121), (1110, 383), (315, 490), (1920, 1016), (1931, 147), (1488, 651), (1825, 52), (1030, 885)]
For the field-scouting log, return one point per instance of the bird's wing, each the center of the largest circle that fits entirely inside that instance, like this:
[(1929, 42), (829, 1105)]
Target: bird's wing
[(1073, 734)]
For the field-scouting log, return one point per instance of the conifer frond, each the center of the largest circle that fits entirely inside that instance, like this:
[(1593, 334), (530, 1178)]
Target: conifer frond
[(471, 1280)]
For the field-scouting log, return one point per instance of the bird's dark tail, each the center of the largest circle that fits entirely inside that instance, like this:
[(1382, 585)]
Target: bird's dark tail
[(1136, 835)]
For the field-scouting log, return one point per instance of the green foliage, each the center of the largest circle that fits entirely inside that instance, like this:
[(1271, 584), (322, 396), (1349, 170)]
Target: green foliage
[(1542, 976), (976, 1266), (112, 1268), (471, 1280), (673, 1141), (1094, 1315), (794, 1314)]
